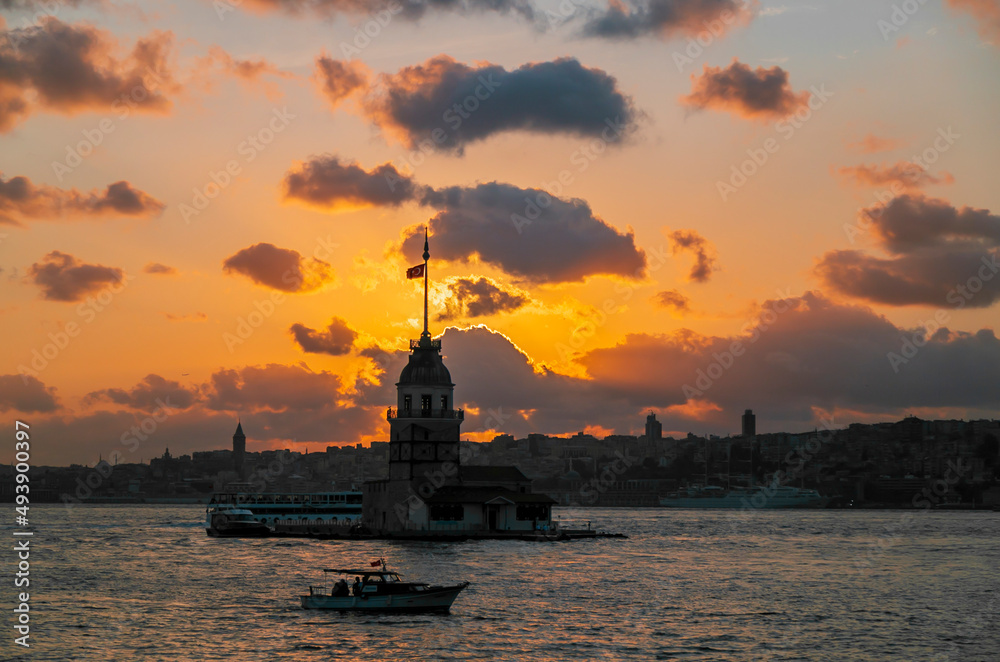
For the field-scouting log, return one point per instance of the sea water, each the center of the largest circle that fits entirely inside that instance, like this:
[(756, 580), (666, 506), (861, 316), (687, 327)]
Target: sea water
[(144, 582)]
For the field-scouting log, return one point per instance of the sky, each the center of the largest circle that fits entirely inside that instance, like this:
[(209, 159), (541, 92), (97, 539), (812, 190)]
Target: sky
[(686, 207)]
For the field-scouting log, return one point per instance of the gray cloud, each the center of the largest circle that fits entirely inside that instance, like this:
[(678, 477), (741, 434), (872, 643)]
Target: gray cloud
[(279, 268), (812, 354), (21, 200), (915, 221), (446, 105), (338, 79), (409, 9), (273, 387), (159, 269), (327, 182), (925, 277), (564, 243), (71, 68), (673, 300), (63, 277), (705, 261), (666, 18), (751, 93), (336, 339), (152, 392), (480, 297), (26, 394), (941, 256), (805, 352)]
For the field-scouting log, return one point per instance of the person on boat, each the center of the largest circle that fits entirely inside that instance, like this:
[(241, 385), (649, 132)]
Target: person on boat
[(357, 587), (340, 589)]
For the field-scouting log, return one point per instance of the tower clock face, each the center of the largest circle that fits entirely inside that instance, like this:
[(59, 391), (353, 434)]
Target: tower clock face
[(423, 452), (404, 451)]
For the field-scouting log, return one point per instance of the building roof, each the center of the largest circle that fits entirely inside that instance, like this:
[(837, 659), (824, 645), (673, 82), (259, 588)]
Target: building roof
[(425, 368), (459, 494), (478, 474), (239, 430)]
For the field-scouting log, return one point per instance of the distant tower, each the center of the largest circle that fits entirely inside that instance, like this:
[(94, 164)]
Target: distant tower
[(239, 448), (749, 424), (654, 429)]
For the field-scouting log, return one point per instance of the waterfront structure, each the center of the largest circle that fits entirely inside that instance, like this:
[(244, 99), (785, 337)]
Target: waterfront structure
[(428, 491)]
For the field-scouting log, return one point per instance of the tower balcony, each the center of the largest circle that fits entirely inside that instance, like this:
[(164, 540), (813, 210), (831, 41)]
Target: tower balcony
[(433, 344), (446, 414)]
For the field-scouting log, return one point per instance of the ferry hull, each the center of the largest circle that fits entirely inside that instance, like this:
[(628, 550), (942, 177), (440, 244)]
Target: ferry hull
[(435, 599)]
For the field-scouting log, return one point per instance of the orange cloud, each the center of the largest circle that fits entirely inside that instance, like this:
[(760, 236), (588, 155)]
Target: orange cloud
[(279, 268), (902, 175), (986, 13), (249, 72), (872, 144), (338, 80), (760, 93)]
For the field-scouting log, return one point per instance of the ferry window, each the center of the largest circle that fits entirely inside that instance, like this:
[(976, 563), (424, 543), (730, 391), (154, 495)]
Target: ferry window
[(407, 402), (425, 402)]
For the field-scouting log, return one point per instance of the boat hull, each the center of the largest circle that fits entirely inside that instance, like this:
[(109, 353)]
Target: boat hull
[(434, 599)]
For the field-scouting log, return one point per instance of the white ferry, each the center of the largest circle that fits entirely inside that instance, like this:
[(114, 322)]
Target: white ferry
[(307, 513)]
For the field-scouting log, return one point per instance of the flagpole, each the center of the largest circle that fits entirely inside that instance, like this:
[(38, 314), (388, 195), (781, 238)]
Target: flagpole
[(427, 256)]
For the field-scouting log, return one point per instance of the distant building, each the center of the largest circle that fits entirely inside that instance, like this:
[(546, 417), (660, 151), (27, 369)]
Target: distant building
[(239, 449), (654, 429), (749, 424)]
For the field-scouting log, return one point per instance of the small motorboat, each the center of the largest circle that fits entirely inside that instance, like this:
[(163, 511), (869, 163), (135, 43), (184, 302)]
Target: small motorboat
[(381, 591), (235, 523)]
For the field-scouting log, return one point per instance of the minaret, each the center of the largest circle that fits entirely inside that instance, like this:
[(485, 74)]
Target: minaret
[(239, 448), (425, 426)]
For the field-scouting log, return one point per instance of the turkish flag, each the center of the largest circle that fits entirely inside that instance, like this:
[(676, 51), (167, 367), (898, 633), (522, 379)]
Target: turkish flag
[(415, 272), (376, 563)]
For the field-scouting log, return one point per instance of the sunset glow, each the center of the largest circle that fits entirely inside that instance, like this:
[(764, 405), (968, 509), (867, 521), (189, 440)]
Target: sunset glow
[(211, 206)]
